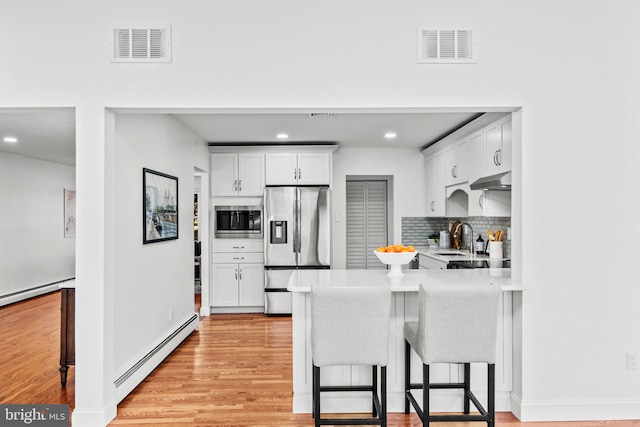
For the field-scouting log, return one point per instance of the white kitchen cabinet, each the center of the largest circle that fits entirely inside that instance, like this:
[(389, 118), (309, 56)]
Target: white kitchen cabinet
[(237, 285), (435, 185), (497, 152), (237, 278), (476, 156), (237, 174), (431, 263), (456, 160), (308, 168), (490, 203)]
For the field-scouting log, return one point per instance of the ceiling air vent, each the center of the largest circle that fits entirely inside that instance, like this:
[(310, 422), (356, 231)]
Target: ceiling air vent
[(141, 45), (445, 46)]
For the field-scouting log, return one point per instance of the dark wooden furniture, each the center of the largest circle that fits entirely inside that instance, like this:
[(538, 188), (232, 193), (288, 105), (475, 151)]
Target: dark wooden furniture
[(67, 332)]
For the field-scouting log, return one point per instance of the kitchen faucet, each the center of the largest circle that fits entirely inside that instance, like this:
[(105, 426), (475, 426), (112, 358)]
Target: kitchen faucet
[(455, 234)]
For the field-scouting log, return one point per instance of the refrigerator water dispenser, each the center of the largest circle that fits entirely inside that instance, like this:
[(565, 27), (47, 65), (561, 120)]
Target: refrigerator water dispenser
[(278, 232)]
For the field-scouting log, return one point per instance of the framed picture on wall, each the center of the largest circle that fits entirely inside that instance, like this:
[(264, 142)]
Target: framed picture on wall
[(159, 206), (69, 213)]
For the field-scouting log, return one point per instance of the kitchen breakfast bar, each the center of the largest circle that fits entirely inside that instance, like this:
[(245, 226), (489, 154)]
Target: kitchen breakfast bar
[(404, 307)]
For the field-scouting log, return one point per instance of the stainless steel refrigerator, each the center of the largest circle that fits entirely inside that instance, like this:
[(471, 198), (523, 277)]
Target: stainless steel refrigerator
[(296, 236)]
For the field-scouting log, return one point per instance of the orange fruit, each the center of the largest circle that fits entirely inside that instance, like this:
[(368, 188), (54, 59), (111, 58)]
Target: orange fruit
[(411, 249), (382, 249)]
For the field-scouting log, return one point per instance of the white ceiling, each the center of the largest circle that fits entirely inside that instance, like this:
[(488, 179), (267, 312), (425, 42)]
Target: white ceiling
[(43, 133), (49, 133), (347, 129)]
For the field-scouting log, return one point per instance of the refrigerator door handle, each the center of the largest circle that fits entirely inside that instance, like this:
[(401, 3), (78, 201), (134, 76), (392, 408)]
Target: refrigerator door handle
[(296, 227)]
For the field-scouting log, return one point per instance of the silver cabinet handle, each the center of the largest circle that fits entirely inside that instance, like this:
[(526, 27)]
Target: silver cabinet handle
[(295, 173), (240, 274), (499, 156), (481, 201), (238, 257), (236, 274), (299, 173), (454, 171), (238, 247), (239, 185), (235, 185), (433, 203)]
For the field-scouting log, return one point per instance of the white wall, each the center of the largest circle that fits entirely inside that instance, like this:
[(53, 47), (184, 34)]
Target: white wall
[(408, 192), (567, 64), (151, 280), (34, 251)]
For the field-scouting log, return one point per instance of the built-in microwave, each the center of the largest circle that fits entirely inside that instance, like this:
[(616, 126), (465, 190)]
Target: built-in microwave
[(238, 222)]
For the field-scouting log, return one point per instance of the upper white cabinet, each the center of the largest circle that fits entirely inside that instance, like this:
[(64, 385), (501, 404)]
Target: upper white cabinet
[(308, 168), (476, 155), (497, 153), (237, 174), (456, 160), (435, 185), (489, 203)]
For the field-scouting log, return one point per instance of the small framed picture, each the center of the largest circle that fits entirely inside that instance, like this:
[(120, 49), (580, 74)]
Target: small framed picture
[(159, 206), (69, 213)]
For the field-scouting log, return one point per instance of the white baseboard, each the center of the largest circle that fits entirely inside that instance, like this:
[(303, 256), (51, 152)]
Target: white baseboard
[(568, 410), (231, 310), (93, 417), (29, 293), (130, 379)]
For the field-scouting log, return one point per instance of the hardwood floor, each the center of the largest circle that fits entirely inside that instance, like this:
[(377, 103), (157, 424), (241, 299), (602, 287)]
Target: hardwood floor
[(234, 371)]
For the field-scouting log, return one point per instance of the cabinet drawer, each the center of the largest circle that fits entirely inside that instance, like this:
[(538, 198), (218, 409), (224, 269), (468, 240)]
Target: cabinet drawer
[(230, 257), (238, 245), (431, 264)]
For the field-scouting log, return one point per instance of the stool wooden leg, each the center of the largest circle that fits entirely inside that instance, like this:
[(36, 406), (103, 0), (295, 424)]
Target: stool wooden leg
[(316, 395), (407, 374), (425, 395), (467, 386), (491, 408), (374, 389), (383, 392)]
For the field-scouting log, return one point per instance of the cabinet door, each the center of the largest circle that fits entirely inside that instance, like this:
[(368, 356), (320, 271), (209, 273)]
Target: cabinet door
[(435, 185), (251, 291), (450, 165), (476, 203), (456, 161), (281, 169), (476, 156), (224, 292), (498, 147), (314, 168), (250, 174), (224, 174)]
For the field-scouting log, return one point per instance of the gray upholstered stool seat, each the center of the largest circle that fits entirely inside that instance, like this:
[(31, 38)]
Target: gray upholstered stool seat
[(456, 324), (350, 326)]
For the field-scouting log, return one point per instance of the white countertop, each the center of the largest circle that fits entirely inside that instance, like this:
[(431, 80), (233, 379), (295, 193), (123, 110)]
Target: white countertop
[(70, 284), (302, 280)]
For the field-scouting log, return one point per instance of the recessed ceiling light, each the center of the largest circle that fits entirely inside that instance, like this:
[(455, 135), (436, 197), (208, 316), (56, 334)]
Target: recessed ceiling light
[(10, 139), (390, 135), (282, 136)]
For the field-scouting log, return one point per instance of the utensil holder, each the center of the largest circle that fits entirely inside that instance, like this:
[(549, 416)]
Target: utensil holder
[(495, 249)]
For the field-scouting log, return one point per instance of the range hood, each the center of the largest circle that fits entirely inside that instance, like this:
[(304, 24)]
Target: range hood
[(500, 181)]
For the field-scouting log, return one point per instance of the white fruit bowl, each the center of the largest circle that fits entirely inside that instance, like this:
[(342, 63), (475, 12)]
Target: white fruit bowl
[(395, 260)]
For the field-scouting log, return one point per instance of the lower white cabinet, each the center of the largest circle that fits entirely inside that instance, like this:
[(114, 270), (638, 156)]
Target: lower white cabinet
[(237, 285), (431, 263), (237, 276)]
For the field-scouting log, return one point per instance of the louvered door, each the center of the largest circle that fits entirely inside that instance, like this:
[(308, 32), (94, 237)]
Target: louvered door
[(366, 223)]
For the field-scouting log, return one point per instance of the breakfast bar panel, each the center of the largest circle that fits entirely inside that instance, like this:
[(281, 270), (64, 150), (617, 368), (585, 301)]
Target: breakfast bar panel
[(404, 307)]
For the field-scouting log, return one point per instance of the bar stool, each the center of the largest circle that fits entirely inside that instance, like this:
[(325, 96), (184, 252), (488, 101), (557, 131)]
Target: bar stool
[(350, 326), (456, 324)]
